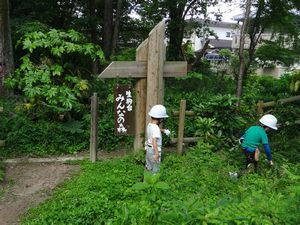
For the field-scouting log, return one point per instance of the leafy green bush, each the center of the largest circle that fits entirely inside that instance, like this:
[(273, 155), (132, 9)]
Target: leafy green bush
[(266, 88), (25, 135), (272, 52), (219, 121), (286, 139), (28, 134), (46, 75)]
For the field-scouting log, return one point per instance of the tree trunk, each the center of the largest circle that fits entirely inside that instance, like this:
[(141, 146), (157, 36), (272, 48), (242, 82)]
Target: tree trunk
[(107, 28), (177, 11), (241, 52), (116, 27), (176, 27), (255, 30), (6, 50), (174, 49), (201, 53), (93, 32)]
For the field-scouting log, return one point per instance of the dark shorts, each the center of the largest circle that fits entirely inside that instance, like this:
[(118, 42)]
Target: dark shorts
[(250, 158)]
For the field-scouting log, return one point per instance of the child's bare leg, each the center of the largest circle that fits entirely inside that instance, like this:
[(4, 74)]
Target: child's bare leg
[(256, 154)]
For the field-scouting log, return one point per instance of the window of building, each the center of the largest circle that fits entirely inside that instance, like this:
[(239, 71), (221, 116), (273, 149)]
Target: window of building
[(227, 34)]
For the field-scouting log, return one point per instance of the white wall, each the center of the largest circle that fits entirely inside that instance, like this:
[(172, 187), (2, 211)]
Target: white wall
[(221, 32)]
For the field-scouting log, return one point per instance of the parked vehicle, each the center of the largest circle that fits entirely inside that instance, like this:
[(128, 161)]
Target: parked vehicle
[(215, 57)]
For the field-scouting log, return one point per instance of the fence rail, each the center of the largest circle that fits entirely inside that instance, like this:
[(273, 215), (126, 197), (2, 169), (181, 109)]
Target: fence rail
[(261, 105)]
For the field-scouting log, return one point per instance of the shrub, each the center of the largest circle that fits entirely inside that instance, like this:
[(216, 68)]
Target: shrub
[(48, 75), (25, 135)]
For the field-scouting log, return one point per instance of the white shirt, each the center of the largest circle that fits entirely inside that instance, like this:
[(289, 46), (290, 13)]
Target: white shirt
[(153, 131)]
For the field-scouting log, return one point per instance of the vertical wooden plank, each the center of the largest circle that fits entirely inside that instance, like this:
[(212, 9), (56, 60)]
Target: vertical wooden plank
[(260, 107), (156, 58), (181, 126), (94, 128), (161, 61), (140, 100)]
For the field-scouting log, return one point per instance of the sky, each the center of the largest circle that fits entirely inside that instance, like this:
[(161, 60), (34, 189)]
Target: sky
[(228, 10)]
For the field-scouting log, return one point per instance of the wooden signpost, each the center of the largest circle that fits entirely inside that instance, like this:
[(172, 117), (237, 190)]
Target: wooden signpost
[(124, 114), (149, 68)]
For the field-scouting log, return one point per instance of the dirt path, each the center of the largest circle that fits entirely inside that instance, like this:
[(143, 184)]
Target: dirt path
[(29, 181), (28, 184)]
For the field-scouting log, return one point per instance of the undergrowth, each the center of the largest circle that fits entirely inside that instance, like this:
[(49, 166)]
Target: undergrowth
[(193, 189)]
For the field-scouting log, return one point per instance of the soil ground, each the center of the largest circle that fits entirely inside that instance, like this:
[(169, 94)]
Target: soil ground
[(29, 182)]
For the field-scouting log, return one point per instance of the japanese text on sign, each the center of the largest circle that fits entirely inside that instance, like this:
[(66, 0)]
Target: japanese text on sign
[(123, 110)]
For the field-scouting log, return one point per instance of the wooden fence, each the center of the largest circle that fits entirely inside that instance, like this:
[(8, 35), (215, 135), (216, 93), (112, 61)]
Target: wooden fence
[(261, 105), (182, 113), (181, 139), (2, 142)]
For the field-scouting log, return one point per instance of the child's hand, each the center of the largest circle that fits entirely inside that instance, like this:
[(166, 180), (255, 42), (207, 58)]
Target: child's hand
[(167, 132)]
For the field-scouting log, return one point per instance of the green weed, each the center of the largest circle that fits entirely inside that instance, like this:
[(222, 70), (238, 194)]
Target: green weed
[(192, 189)]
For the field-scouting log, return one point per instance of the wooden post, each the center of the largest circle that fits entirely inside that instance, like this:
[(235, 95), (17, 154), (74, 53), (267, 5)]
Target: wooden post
[(140, 102), (181, 126), (94, 127), (260, 107), (156, 59)]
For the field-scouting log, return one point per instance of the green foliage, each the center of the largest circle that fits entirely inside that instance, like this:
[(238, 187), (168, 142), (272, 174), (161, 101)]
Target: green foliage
[(271, 52), (234, 65), (295, 82), (219, 120), (95, 194), (188, 51), (266, 88), (39, 133), (199, 191), (21, 28), (286, 139), (195, 88), (1, 174), (151, 181), (225, 53), (206, 128), (127, 54), (39, 136), (46, 76)]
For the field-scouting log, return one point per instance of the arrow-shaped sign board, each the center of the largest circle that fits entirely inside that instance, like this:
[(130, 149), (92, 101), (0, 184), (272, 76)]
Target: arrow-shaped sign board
[(137, 69)]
